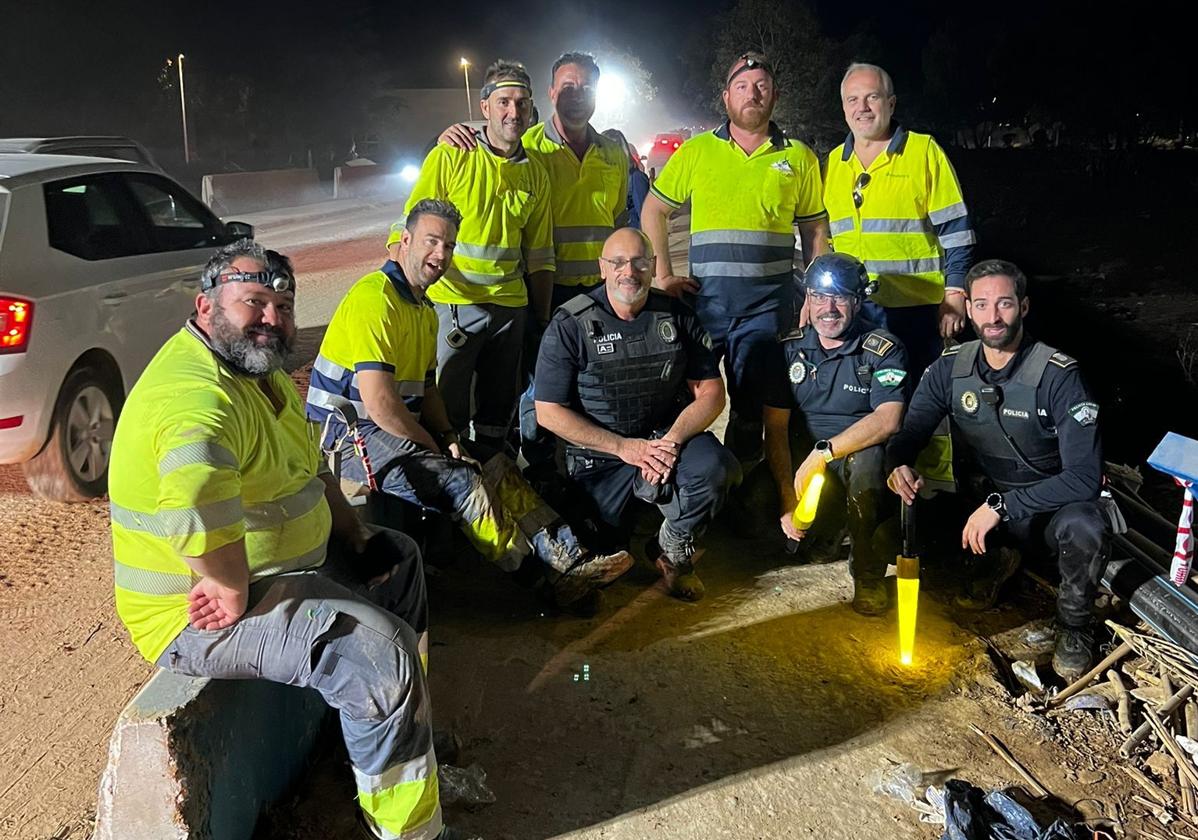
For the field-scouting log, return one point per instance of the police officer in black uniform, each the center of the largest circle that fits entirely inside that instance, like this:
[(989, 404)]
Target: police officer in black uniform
[(833, 399), (626, 377), (1025, 441)]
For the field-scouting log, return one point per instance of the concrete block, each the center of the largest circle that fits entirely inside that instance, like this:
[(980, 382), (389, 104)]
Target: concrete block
[(197, 759), (245, 192), (368, 182)]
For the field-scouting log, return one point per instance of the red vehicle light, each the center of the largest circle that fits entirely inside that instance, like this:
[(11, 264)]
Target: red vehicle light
[(664, 142), (16, 316), (11, 422), (675, 145)]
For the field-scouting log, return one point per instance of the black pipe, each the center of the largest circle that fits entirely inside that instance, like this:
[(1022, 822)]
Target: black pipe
[(1170, 610)]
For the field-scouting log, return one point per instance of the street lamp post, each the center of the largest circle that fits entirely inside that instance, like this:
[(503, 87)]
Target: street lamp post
[(183, 111), (469, 102)]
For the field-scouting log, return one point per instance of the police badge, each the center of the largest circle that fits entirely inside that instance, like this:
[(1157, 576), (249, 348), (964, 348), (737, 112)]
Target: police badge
[(667, 331), (798, 372), (969, 402)]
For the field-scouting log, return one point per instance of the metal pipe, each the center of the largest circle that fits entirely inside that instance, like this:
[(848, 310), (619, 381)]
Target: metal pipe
[(1170, 610)]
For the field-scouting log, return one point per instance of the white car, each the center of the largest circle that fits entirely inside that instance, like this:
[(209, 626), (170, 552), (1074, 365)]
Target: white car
[(99, 264)]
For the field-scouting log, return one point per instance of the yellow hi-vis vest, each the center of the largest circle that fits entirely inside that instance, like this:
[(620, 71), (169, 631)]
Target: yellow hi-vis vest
[(743, 211), (507, 226), (587, 196), (200, 460), (911, 212)]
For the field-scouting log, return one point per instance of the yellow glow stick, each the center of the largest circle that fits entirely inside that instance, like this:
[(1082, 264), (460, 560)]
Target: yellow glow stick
[(804, 515), (908, 589)]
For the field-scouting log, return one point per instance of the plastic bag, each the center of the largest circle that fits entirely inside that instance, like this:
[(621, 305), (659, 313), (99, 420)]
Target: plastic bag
[(898, 781), (464, 786)]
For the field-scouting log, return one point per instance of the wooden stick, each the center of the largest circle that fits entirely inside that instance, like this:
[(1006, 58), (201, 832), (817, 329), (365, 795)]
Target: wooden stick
[(1001, 751), (1184, 763), (1167, 689), (1124, 700), (1189, 796), (1087, 678), (1142, 731), (1150, 787)]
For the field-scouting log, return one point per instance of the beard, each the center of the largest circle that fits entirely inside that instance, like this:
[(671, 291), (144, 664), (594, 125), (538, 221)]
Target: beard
[(242, 353), (1005, 339)]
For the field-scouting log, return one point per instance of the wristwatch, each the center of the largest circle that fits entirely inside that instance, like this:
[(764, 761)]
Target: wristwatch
[(824, 448), (995, 503)]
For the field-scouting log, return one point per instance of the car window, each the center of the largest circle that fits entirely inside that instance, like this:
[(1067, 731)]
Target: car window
[(177, 220), (87, 218)]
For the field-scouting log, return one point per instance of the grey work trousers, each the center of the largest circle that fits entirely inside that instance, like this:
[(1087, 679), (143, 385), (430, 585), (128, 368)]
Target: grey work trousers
[(486, 369), (361, 648)]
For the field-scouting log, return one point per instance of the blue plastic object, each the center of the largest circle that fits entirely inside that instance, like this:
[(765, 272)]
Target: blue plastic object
[(1176, 455)]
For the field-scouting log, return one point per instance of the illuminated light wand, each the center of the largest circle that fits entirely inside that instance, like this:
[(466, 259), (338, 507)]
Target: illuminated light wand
[(804, 515), (907, 564)]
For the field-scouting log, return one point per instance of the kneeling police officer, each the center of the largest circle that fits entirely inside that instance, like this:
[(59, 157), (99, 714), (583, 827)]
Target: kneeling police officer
[(833, 399), (627, 377), (1025, 440)]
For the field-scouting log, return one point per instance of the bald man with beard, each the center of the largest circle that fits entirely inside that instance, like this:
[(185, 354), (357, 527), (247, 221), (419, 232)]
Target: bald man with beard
[(626, 376)]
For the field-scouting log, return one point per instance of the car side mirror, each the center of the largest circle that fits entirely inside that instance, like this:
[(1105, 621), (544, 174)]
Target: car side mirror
[(242, 230)]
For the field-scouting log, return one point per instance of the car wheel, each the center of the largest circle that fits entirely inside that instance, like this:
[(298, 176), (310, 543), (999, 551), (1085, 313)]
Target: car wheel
[(73, 465)]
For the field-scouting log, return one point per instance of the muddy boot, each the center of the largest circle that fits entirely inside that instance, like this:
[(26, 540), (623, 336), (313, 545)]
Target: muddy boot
[(677, 572), (986, 578), (870, 596), (587, 575), (1073, 653)]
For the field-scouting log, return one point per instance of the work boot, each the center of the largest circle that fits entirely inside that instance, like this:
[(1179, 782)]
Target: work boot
[(989, 574), (870, 596), (590, 573), (1072, 657), (680, 578)]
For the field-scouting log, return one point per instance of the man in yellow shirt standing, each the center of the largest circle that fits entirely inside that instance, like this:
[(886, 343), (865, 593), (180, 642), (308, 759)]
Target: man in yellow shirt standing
[(895, 204), (749, 187), (506, 232)]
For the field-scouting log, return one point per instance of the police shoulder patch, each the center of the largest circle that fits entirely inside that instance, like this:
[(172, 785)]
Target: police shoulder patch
[(1085, 413), (793, 335), (890, 377), (877, 343), (1061, 360)]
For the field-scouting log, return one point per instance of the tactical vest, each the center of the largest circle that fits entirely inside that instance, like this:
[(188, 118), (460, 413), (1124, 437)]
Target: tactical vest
[(632, 381), (999, 424)]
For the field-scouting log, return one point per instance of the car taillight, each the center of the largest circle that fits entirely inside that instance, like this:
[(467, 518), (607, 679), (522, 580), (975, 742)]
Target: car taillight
[(675, 145), (16, 316)]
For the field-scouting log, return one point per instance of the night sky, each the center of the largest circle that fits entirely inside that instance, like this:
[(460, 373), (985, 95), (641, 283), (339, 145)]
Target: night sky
[(89, 68)]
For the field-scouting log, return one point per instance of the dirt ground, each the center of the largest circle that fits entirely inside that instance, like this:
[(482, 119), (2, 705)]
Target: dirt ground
[(758, 712)]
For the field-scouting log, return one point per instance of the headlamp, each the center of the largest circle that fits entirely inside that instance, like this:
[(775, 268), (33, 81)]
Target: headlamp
[(750, 63), (279, 281)]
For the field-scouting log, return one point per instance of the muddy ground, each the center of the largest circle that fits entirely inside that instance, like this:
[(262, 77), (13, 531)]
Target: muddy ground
[(756, 713)]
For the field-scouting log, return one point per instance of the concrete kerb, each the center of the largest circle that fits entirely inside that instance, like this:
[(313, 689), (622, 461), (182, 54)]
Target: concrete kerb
[(197, 759)]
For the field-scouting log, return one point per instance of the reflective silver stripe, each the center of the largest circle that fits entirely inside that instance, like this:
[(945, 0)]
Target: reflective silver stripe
[(539, 254), (595, 233), (926, 266), (486, 252), (742, 237), (418, 769), (840, 226), (893, 226), (180, 522), (275, 514), (201, 452), (956, 240), (947, 214), (577, 268), (146, 582), (307, 560), (410, 387), (323, 399), (742, 269), (477, 278), (330, 369)]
